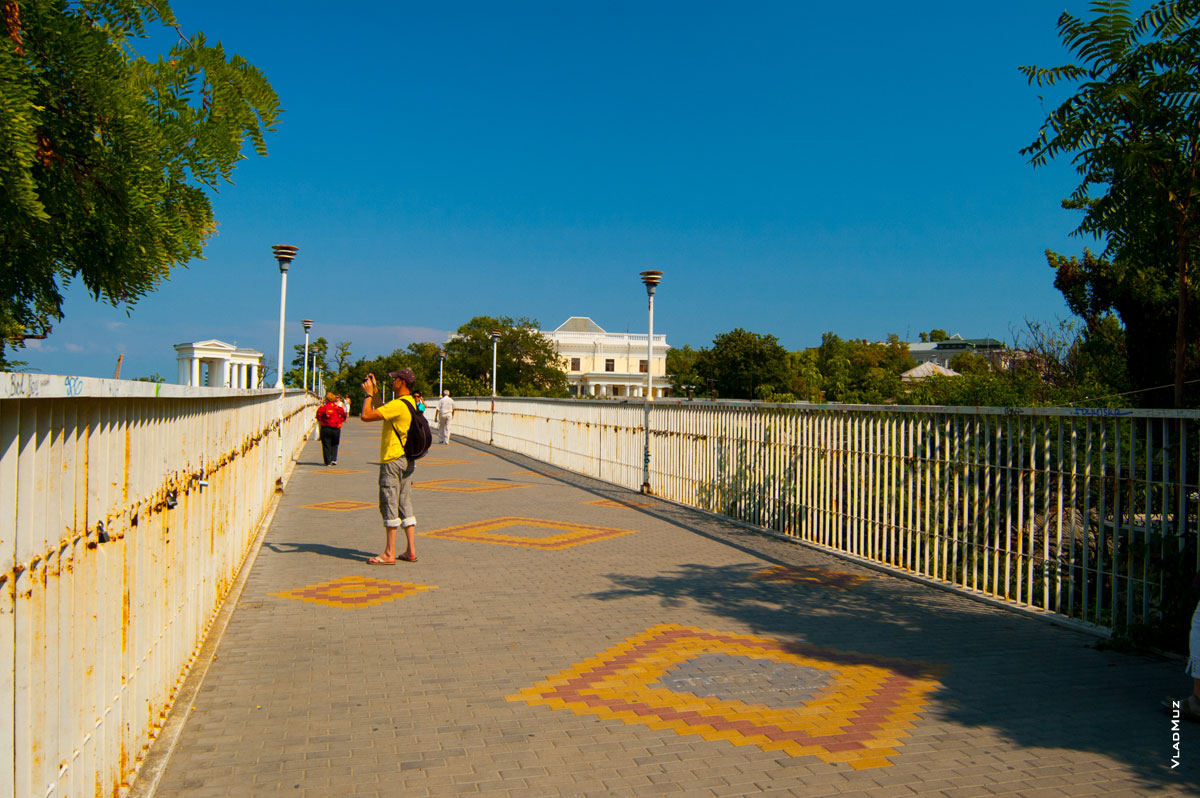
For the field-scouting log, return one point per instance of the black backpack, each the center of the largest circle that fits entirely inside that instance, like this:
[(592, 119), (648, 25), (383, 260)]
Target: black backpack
[(420, 437)]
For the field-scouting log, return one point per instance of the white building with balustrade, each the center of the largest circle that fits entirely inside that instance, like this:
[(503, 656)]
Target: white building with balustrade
[(601, 363)]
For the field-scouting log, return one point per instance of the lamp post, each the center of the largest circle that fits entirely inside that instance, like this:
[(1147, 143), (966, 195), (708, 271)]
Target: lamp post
[(314, 371), (651, 279), (441, 367), (284, 254), (495, 335), (307, 326)]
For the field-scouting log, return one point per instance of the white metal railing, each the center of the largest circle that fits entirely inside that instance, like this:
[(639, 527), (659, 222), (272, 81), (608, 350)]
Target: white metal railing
[(126, 511), (1076, 511)]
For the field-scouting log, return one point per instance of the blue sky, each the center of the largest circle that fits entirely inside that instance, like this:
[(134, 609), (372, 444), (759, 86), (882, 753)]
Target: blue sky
[(791, 167)]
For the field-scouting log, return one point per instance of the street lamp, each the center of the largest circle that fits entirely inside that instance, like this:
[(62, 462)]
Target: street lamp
[(651, 280), (284, 254), (441, 366), (307, 326), (495, 335)]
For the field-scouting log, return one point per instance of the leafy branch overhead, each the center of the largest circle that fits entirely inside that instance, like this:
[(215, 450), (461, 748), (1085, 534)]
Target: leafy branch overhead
[(1132, 130), (107, 156)]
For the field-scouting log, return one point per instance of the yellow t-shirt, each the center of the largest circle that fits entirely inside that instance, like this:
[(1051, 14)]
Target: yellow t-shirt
[(397, 416)]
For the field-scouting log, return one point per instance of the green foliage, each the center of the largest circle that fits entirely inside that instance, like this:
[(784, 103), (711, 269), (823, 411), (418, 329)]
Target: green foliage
[(106, 157), (1132, 131), (318, 350), (527, 363), (858, 372), (1144, 299), (741, 361), (681, 370), (970, 363)]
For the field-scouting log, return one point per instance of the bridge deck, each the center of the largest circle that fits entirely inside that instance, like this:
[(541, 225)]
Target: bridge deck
[(563, 637)]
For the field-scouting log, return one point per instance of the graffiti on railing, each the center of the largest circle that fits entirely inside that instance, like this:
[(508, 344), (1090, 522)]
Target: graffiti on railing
[(74, 385), (1014, 411), (1101, 412), (25, 385)]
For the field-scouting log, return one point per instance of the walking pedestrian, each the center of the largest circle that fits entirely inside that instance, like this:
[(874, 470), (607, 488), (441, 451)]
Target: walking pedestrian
[(330, 416), (445, 409), (395, 469)]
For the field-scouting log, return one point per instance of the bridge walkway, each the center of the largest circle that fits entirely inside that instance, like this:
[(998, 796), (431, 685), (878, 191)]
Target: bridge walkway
[(559, 636)]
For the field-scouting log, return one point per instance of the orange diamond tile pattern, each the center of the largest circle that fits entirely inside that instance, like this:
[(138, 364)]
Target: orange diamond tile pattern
[(810, 575), (353, 592), (796, 698), (616, 503), (572, 534), (339, 506), (340, 471), (464, 486)]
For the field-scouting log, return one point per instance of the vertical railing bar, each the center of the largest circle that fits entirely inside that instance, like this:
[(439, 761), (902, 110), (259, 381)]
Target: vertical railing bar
[(1046, 510)]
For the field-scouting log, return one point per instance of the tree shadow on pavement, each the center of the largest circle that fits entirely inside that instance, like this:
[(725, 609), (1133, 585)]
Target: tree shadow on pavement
[(1031, 682)]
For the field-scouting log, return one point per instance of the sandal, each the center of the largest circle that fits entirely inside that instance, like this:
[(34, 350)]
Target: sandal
[(378, 560), (407, 557)]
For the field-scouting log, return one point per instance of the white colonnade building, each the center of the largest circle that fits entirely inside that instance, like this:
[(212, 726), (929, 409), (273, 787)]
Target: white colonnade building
[(218, 365)]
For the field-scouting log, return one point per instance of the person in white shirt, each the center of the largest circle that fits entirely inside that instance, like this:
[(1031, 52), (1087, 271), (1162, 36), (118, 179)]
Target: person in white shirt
[(445, 409)]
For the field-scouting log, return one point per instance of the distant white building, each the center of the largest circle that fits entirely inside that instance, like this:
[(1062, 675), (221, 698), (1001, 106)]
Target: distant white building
[(601, 363), (218, 365)]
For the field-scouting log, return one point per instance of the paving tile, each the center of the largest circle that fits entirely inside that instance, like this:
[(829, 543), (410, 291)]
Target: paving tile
[(683, 656)]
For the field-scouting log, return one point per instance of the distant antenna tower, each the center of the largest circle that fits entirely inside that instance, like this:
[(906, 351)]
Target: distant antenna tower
[(117, 373)]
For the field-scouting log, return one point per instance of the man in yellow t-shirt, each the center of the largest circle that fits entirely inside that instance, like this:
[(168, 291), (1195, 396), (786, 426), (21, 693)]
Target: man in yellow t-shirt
[(395, 469)]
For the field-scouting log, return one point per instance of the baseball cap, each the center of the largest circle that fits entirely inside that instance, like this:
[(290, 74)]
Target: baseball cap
[(407, 375)]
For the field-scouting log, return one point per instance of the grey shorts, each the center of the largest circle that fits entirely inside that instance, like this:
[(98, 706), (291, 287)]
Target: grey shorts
[(395, 493)]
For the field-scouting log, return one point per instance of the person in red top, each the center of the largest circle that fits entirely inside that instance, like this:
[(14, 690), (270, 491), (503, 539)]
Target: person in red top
[(330, 416)]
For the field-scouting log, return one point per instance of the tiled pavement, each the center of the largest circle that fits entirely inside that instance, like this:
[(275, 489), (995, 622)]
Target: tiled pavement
[(563, 637)]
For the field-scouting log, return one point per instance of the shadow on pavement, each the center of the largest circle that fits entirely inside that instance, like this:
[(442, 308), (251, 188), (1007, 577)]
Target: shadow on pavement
[(1026, 680), (322, 549)]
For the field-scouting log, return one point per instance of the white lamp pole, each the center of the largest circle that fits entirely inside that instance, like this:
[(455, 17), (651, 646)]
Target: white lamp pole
[(284, 254), (495, 340), (441, 366), (651, 280), (308, 323)]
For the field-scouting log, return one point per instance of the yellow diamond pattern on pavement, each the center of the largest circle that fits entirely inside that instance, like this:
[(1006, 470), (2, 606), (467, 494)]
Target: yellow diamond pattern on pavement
[(464, 486), (339, 505), (858, 712), (616, 503), (486, 532), (353, 592), (811, 575)]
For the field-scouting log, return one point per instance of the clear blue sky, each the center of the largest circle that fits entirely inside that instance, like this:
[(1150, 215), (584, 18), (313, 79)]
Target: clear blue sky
[(792, 167)]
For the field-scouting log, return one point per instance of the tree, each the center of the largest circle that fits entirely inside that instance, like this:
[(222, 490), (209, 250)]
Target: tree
[(861, 372), (527, 363), (970, 363), (681, 369), (341, 356), (740, 361), (1133, 131), (106, 157), (317, 351)]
